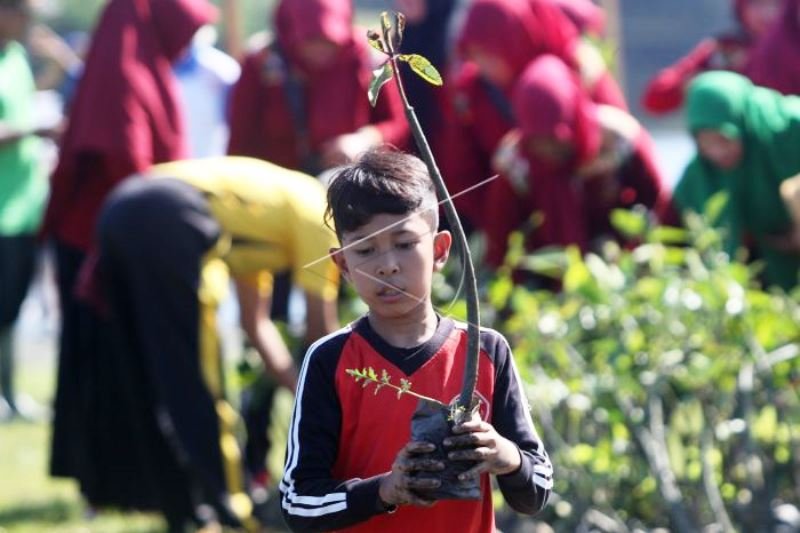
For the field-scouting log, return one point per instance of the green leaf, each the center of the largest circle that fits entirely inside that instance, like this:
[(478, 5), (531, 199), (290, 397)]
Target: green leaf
[(386, 23), (546, 261), (379, 78), (668, 235), (714, 207), (581, 453), (375, 41), (500, 291), (629, 223), (423, 68)]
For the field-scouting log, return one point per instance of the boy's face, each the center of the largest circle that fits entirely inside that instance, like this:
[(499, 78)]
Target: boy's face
[(390, 261)]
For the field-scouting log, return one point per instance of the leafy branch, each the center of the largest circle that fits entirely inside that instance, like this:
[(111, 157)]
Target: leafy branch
[(369, 375), (388, 42)]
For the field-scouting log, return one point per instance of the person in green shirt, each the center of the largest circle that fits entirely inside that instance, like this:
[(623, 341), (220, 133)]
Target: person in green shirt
[(747, 144), (23, 185)]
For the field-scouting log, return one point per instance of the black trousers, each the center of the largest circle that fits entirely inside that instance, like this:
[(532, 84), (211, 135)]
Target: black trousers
[(154, 235), (17, 262)]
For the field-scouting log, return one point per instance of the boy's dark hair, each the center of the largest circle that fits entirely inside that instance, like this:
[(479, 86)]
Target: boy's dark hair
[(381, 181)]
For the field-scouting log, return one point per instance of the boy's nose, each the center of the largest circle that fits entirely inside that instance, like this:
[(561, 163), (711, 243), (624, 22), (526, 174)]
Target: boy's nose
[(387, 269)]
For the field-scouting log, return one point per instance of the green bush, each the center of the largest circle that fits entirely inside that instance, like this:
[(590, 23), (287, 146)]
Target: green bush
[(663, 378)]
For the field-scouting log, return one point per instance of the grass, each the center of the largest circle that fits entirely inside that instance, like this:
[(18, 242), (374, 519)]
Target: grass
[(30, 500), (33, 502)]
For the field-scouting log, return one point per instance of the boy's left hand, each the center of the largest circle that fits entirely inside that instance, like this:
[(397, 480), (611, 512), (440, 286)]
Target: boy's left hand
[(477, 440)]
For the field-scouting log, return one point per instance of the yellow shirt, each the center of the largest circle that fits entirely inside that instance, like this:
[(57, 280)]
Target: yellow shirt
[(271, 219)]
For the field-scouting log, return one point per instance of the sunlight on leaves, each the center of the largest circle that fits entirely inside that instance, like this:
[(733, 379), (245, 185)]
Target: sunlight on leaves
[(375, 41), (423, 68)]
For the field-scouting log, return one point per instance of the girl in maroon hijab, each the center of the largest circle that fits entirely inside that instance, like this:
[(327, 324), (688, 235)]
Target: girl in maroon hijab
[(124, 118), (728, 51), (775, 63), (301, 101), (571, 161), (499, 38)]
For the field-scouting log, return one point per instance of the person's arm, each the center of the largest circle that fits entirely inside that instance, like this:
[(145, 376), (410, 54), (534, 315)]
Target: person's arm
[(59, 59), (665, 92), (264, 336), (232, 28), (322, 317), (9, 134), (528, 488), (311, 498), (387, 126)]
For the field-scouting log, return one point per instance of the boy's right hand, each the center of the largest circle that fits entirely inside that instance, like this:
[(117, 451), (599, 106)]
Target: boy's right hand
[(400, 487)]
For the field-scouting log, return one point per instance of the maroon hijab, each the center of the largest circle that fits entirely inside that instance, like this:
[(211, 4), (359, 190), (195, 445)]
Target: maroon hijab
[(345, 80), (125, 116), (518, 30), (549, 101), (775, 62), (587, 16)]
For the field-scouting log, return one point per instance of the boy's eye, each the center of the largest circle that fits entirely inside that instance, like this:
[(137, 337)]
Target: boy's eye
[(406, 245), (363, 252)]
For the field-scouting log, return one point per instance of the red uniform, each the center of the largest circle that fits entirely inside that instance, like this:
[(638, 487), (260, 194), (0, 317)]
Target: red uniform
[(343, 436), (481, 111), (775, 63), (283, 110), (574, 210)]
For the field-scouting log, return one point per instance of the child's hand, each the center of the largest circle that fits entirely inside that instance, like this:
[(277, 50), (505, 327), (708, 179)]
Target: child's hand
[(477, 440), (398, 488)]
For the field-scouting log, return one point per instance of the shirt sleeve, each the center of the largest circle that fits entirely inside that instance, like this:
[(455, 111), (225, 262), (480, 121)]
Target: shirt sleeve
[(665, 92), (528, 489), (311, 498)]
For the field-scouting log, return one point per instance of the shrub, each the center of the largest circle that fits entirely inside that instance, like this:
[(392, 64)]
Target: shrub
[(664, 379)]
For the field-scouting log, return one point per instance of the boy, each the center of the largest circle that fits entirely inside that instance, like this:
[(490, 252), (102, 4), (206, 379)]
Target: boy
[(349, 463)]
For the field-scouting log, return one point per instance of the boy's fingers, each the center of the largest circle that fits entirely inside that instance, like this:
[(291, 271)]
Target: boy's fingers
[(472, 454), (418, 447), (421, 483), (475, 471), (415, 465), (467, 440), (472, 426)]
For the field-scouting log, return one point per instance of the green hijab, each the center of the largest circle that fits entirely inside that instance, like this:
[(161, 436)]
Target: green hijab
[(768, 125)]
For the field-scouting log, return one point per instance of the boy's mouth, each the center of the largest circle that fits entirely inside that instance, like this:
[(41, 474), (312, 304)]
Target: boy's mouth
[(387, 291)]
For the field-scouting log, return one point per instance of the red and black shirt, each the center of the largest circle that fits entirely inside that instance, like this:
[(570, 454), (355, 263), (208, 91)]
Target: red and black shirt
[(343, 437)]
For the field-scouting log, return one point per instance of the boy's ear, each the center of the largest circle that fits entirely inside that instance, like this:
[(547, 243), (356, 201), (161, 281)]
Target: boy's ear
[(442, 242), (338, 258)]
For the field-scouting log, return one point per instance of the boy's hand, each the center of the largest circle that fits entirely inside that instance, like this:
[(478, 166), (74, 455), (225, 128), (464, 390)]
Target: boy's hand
[(399, 487), (477, 440)]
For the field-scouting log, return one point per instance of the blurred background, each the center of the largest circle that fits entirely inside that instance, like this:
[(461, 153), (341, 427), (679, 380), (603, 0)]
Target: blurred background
[(644, 36)]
